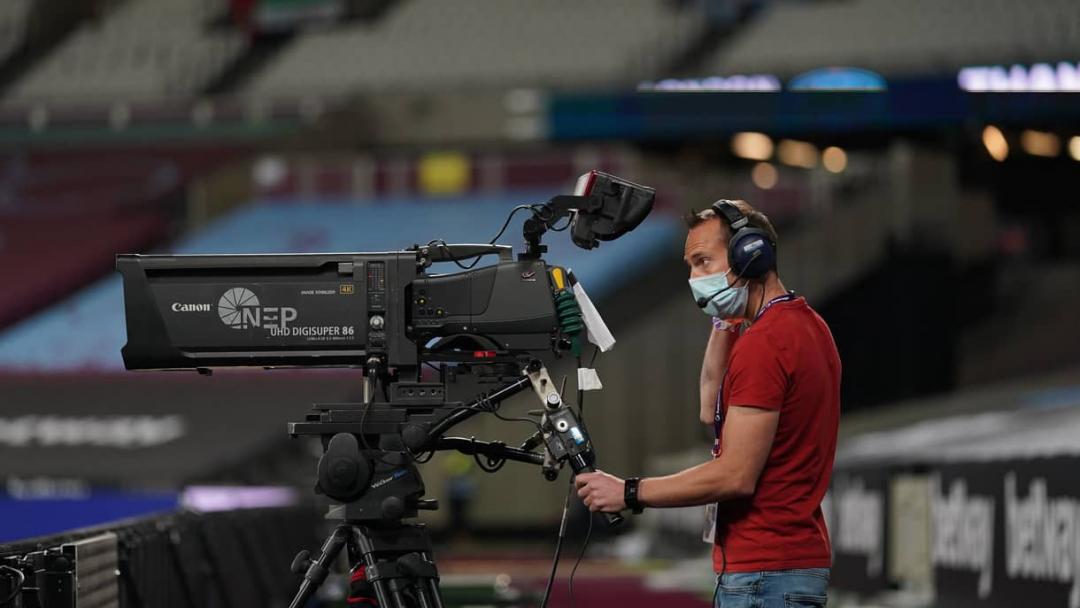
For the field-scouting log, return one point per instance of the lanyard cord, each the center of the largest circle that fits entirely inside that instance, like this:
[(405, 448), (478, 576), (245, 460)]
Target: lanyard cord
[(787, 297)]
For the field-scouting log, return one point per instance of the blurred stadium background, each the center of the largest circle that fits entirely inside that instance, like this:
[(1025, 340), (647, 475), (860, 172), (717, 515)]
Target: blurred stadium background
[(919, 158)]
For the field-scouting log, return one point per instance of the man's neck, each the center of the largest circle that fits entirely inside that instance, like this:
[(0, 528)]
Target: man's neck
[(771, 288)]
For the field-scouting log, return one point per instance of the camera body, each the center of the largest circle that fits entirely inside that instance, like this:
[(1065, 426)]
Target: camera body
[(313, 310)]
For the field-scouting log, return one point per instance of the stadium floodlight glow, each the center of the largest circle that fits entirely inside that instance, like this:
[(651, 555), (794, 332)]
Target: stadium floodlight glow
[(752, 146), (834, 159), (797, 153), (764, 176), (1074, 147), (994, 141), (1040, 143)]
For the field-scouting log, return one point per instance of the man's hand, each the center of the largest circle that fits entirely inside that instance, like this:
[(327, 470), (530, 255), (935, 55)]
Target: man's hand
[(601, 491)]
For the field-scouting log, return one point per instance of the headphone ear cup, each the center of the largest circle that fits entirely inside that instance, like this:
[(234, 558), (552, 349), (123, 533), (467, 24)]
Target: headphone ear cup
[(751, 253)]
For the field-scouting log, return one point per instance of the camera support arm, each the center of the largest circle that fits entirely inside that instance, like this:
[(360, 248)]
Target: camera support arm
[(558, 207), (493, 449), (564, 437), (461, 415)]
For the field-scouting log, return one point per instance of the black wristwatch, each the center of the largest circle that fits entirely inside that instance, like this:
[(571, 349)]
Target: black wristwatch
[(630, 495)]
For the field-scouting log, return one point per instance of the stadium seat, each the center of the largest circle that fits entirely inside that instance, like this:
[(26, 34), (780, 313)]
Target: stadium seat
[(146, 49), (13, 17), (431, 44), (912, 37)]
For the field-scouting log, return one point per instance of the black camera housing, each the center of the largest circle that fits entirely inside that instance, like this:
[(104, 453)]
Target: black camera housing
[(318, 310)]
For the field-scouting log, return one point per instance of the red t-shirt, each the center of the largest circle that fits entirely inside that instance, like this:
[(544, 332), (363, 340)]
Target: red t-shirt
[(785, 361)]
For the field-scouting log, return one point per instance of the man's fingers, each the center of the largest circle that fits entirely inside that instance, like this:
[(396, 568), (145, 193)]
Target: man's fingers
[(582, 479), (583, 492)]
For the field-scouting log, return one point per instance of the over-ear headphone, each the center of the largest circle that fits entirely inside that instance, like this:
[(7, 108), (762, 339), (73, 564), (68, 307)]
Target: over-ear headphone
[(751, 252)]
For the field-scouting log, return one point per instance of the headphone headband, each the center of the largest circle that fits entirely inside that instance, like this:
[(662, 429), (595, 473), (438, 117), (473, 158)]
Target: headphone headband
[(750, 249), (731, 213)]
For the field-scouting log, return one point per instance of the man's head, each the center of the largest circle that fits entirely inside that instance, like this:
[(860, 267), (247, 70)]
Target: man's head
[(709, 234)]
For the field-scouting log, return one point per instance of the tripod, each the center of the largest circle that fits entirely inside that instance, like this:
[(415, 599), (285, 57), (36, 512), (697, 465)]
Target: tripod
[(379, 487), (398, 559)]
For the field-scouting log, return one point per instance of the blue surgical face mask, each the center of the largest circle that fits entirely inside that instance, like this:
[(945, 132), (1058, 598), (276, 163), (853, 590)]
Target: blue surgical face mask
[(724, 300)]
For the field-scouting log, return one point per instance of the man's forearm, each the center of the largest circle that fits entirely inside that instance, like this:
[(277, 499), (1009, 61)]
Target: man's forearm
[(703, 484), (747, 440), (713, 365)]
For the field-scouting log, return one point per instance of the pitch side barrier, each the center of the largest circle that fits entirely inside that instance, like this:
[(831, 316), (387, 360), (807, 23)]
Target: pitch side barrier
[(226, 559)]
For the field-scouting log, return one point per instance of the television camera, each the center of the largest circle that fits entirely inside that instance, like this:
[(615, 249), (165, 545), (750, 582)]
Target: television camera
[(386, 313)]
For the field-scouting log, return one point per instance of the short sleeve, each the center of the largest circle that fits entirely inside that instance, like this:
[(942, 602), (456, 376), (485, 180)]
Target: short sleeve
[(756, 375)]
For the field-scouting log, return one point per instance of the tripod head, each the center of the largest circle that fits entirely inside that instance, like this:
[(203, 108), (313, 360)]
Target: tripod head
[(371, 449)]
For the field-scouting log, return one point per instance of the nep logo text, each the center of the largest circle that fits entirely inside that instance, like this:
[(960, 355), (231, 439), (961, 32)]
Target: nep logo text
[(239, 309)]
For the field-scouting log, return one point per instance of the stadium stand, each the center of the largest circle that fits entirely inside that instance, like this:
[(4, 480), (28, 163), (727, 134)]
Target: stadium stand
[(44, 259), (365, 177), (63, 213), (919, 36), (562, 43), (103, 179), (145, 49), (13, 17)]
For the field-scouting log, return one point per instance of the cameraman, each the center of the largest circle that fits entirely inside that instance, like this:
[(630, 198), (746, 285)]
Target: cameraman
[(772, 393)]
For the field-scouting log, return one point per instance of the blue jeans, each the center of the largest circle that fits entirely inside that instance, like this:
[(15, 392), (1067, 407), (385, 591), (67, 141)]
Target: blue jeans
[(799, 588)]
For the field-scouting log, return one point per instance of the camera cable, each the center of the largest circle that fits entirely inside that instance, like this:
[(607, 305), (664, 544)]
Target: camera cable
[(441, 243), (588, 530)]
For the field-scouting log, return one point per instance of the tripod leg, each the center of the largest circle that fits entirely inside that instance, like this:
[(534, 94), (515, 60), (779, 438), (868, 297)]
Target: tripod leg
[(421, 568), (392, 588), (435, 592), (320, 567), (383, 592), (388, 592), (399, 565), (428, 592)]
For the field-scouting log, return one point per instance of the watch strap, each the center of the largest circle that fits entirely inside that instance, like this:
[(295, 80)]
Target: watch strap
[(630, 495)]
